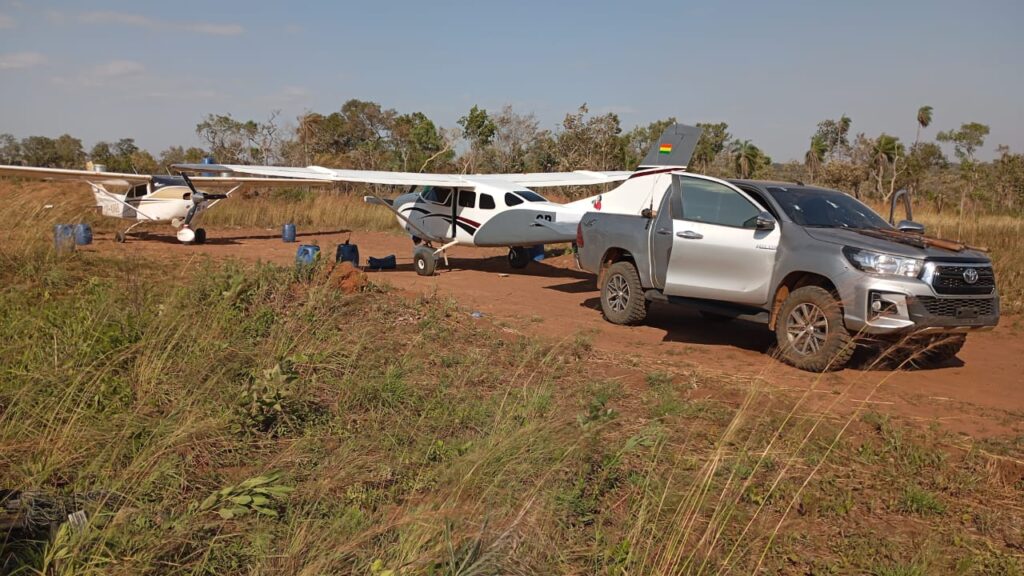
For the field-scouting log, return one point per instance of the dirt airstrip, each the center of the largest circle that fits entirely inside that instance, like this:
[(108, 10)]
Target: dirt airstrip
[(980, 394)]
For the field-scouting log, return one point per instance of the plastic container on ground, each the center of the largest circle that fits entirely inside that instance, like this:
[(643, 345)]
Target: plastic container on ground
[(63, 237), (347, 253), (83, 234), (307, 254), (288, 233)]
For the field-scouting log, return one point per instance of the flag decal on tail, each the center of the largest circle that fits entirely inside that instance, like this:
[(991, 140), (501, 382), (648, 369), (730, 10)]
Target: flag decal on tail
[(665, 149)]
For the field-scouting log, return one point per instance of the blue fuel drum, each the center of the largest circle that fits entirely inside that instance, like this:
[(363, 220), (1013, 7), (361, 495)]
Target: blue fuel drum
[(288, 233), (63, 237)]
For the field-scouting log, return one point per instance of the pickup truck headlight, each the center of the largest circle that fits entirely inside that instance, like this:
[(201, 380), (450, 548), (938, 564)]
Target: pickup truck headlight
[(884, 264)]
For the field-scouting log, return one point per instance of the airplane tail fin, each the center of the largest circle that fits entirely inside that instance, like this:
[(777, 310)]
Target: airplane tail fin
[(674, 148)]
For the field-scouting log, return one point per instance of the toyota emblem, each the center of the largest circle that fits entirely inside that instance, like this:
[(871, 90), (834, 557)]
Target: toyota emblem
[(970, 275)]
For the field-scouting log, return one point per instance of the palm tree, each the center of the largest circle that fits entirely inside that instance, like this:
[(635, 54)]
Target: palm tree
[(745, 155), (924, 119), (814, 158), (886, 151)]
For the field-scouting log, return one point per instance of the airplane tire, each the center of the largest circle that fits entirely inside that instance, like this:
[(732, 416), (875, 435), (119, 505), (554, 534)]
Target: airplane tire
[(119, 237), (424, 261), (518, 257), (200, 236)]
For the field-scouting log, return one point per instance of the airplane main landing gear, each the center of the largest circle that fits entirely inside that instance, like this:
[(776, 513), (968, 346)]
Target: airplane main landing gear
[(518, 257), (424, 260)]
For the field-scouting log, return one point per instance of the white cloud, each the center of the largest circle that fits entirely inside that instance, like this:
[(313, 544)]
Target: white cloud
[(18, 60), (103, 74), (215, 29), (295, 92), (122, 18), (6, 21), (118, 69), (142, 21)]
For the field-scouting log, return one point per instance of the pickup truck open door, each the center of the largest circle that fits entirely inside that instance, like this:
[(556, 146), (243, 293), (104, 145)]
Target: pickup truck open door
[(711, 241)]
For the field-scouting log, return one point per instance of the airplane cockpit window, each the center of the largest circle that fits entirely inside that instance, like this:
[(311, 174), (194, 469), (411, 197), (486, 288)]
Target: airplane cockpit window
[(486, 202), (138, 191), (437, 195), (467, 199), (531, 196), (512, 200)]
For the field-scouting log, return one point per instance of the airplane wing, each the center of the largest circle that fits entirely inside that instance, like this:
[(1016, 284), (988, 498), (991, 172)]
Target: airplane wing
[(538, 179), (76, 175), (207, 182)]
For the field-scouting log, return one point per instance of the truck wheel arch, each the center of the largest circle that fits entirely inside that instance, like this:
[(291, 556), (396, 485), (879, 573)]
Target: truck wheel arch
[(794, 281), (611, 256)]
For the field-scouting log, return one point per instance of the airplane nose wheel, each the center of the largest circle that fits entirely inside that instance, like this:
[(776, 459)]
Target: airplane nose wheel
[(424, 261), (518, 257), (119, 237)]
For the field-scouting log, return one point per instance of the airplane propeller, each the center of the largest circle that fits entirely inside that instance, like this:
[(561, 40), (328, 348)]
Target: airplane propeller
[(185, 233)]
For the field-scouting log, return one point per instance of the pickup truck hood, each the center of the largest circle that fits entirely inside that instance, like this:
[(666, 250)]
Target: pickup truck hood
[(847, 237)]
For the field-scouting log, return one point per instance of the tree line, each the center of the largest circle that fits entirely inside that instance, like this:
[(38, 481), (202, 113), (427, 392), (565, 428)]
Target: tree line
[(365, 135)]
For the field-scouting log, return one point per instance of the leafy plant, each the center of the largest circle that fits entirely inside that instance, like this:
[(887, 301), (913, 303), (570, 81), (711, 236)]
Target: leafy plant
[(254, 495), (263, 401)]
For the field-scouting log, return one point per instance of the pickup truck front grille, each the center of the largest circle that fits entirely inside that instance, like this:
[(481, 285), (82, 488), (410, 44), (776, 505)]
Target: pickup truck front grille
[(958, 307), (950, 280)]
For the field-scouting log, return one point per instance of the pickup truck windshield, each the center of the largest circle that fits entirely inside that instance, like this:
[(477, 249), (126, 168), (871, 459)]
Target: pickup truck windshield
[(825, 208)]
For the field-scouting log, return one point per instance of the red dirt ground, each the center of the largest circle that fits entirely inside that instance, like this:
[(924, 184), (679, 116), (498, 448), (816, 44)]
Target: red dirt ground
[(980, 394)]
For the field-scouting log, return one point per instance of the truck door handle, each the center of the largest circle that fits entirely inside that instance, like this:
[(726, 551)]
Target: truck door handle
[(663, 231), (690, 235)]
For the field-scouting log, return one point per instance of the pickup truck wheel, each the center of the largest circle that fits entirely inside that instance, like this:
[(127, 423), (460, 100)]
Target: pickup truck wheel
[(810, 331), (622, 298)]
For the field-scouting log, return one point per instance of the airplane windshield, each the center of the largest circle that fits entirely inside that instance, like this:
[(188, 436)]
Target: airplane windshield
[(437, 195)]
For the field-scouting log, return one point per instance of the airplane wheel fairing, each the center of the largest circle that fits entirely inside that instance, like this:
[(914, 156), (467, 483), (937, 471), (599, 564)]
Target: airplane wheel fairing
[(200, 236), (518, 257), (186, 235), (424, 261)]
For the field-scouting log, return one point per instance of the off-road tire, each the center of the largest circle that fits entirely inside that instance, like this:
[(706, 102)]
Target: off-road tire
[(518, 257), (424, 261), (622, 297), (830, 350)]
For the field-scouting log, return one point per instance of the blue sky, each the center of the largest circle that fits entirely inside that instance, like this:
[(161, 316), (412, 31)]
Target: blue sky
[(103, 70)]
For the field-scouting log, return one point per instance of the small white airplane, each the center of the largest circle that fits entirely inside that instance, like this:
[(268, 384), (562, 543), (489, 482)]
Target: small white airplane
[(498, 209), (154, 198)]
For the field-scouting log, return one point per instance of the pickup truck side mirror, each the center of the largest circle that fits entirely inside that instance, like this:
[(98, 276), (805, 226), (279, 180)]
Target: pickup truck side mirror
[(764, 221), (910, 227)]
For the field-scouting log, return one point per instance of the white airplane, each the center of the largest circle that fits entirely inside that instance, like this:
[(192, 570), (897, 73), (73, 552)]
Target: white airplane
[(498, 209), (153, 198)]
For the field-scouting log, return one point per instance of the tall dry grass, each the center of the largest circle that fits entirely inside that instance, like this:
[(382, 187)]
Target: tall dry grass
[(418, 441)]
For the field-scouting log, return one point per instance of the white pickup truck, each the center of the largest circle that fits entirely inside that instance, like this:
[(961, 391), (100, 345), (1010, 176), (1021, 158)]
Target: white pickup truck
[(820, 268)]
